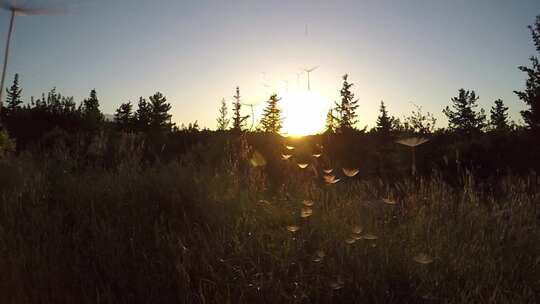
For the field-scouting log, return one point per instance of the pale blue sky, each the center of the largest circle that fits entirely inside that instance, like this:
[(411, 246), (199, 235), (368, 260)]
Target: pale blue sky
[(196, 52)]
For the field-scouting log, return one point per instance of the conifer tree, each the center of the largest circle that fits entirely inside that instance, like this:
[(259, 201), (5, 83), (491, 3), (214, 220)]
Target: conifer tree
[(124, 116), (90, 111), (346, 109), (238, 120), (160, 119), (384, 122), (499, 116), (531, 95), (143, 115), (330, 126), (13, 97), (271, 121), (463, 118), (223, 120)]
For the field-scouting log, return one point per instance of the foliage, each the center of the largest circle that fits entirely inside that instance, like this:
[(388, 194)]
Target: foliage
[(462, 117), (7, 146), (124, 116), (203, 228), (238, 121), (13, 97), (385, 123), (499, 116), (330, 124), (223, 120), (90, 112), (143, 115), (160, 118), (271, 121), (346, 109), (420, 123), (531, 94)]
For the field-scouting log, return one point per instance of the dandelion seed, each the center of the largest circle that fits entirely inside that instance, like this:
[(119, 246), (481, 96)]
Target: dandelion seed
[(412, 141), (357, 229), (289, 147), (320, 253), (330, 179), (285, 156), (293, 228), (370, 236), (356, 236), (389, 201), (307, 203), (306, 212), (350, 241), (257, 160), (302, 166), (337, 284), (423, 259), (328, 171), (350, 172), (317, 155)]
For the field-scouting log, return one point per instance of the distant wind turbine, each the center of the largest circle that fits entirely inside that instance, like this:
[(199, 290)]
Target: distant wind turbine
[(251, 105), (23, 9), (309, 70)]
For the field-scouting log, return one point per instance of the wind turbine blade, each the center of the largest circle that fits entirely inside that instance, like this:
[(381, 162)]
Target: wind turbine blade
[(41, 11), (27, 9)]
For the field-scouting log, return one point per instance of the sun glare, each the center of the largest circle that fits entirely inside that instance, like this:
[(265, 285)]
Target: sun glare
[(304, 113)]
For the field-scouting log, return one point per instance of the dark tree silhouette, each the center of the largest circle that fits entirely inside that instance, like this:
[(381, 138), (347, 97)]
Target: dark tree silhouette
[(271, 121), (238, 121), (463, 118), (160, 119), (91, 114), (499, 116), (420, 123), (223, 120), (124, 116), (346, 109), (143, 115), (531, 95), (385, 123), (13, 97), (330, 126)]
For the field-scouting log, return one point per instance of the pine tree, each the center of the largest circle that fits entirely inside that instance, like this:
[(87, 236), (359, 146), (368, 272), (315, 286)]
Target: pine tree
[(330, 126), (90, 112), (238, 120), (499, 116), (463, 118), (13, 98), (271, 121), (531, 95), (143, 115), (160, 119), (384, 122), (222, 120), (346, 110), (124, 116)]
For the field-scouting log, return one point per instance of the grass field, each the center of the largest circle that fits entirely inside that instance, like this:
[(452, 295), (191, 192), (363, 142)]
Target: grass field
[(206, 229)]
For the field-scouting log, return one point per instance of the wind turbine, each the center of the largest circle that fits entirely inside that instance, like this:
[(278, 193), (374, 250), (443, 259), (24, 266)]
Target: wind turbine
[(309, 70), (20, 10), (251, 105)]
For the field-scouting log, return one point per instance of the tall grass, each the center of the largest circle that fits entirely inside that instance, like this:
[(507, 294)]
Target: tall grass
[(206, 228)]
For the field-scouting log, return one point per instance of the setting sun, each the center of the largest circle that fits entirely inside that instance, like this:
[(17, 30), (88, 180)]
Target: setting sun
[(304, 112)]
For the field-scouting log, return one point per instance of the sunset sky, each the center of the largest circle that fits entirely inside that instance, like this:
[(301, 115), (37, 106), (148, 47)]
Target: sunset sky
[(196, 52)]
